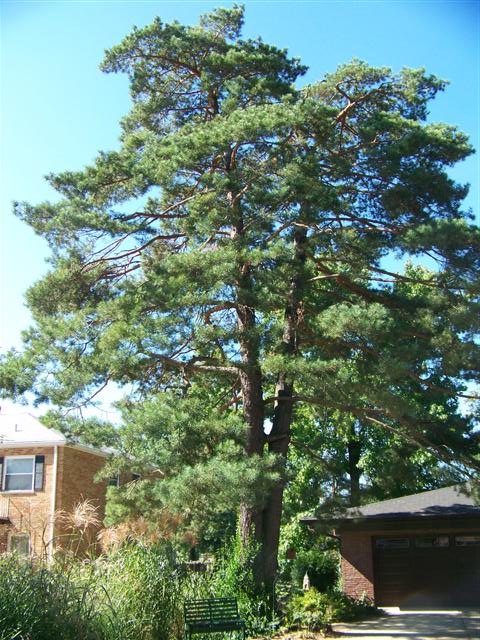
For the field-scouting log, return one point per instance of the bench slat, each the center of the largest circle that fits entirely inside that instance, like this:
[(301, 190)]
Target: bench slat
[(210, 615)]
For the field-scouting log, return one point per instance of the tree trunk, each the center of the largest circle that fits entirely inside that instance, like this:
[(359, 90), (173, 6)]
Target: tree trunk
[(251, 384), (278, 443), (279, 438), (251, 517), (354, 449), (257, 523)]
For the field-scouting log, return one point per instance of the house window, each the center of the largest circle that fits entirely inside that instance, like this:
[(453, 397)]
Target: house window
[(392, 543), (430, 542), (467, 541), (39, 472), (18, 473), (19, 543)]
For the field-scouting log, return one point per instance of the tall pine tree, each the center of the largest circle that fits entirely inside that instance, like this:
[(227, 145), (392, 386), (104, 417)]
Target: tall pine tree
[(242, 237)]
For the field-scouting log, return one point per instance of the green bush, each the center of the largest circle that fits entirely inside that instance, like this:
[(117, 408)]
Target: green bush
[(322, 566), (315, 611), (138, 594), (135, 593), (315, 554)]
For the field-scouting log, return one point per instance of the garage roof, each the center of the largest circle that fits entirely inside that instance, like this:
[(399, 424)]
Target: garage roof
[(450, 501)]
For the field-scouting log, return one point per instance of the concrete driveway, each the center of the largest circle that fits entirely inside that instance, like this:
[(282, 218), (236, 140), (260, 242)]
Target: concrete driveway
[(415, 625)]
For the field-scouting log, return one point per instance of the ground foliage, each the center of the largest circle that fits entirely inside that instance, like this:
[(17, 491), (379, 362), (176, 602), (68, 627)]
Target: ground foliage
[(315, 611), (135, 592), (232, 261)]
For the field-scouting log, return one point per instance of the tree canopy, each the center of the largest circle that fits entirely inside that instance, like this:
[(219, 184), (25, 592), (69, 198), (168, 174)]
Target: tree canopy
[(240, 249)]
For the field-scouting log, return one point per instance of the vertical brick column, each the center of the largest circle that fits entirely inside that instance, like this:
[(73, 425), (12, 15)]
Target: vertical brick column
[(3, 537), (357, 564)]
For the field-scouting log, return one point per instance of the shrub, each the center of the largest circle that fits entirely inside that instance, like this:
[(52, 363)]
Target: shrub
[(315, 554), (322, 566), (133, 594), (315, 610)]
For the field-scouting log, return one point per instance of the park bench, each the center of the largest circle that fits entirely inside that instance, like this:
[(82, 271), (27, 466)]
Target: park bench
[(212, 615)]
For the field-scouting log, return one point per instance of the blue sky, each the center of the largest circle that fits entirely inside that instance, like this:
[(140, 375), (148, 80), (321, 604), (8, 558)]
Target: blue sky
[(57, 109)]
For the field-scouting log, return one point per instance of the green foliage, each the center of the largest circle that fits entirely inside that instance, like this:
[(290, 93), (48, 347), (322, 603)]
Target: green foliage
[(321, 566), (315, 611), (315, 554), (197, 453), (134, 593), (234, 576), (236, 245), (41, 603)]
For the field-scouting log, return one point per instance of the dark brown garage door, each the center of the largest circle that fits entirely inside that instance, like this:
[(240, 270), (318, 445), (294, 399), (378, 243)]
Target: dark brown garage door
[(427, 570)]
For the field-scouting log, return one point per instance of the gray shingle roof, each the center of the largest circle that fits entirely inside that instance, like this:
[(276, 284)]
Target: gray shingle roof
[(450, 501), (454, 501)]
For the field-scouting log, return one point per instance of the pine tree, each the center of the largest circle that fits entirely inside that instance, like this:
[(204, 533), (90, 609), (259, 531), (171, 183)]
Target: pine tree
[(240, 238)]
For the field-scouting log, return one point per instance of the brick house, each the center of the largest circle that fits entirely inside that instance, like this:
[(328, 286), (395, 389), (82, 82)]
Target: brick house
[(421, 550), (41, 474)]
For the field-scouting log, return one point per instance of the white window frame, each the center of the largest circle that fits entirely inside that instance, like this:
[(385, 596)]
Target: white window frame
[(6, 458), (18, 534)]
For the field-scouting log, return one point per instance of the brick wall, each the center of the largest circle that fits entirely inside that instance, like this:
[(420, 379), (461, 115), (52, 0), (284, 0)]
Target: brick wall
[(357, 564), (76, 483), (3, 537)]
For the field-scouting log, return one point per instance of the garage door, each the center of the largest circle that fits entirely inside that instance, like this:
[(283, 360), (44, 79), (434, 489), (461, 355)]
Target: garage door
[(427, 570)]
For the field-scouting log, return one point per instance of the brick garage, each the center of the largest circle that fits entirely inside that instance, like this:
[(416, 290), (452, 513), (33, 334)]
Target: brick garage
[(357, 565), (421, 550)]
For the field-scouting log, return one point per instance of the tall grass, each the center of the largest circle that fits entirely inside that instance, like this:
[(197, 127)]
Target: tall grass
[(37, 603), (135, 592)]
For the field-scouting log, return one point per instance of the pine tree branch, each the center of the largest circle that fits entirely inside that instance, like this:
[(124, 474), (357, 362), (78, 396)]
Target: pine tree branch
[(192, 365), (434, 387), (363, 292)]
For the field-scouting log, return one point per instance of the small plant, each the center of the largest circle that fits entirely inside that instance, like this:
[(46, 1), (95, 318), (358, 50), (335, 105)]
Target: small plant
[(316, 611)]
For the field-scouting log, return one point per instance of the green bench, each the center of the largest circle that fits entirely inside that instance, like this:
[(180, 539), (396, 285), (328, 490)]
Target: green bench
[(212, 615)]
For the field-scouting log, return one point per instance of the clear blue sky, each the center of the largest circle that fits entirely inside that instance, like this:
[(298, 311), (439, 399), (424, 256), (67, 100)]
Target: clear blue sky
[(58, 109)]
